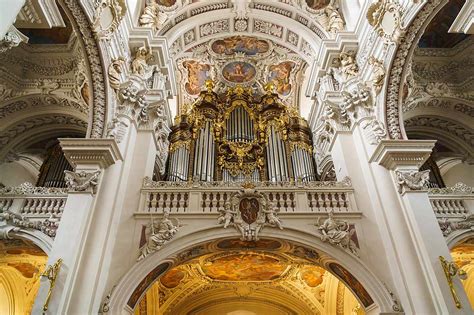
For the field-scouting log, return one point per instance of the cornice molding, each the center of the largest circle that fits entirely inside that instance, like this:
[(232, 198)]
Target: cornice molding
[(402, 154), (101, 152)]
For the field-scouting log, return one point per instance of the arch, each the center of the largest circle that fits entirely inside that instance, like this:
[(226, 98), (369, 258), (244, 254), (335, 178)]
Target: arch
[(401, 62), (459, 237), (144, 273), (96, 67)]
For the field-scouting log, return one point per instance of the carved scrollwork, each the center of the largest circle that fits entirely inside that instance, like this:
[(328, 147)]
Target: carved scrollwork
[(249, 211), (385, 17), (448, 225), (107, 17), (82, 181), (412, 180)]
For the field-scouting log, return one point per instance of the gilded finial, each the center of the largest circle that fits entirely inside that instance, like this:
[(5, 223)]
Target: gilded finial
[(239, 90), (269, 88), (209, 85), (248, 185)]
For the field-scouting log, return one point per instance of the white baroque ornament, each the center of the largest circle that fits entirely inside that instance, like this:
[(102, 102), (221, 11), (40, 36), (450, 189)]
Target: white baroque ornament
[(449, 225), (116, 129), (82, 181), (160, 233), (18, 221), (108, 15), (375, 130), (249, 211), (337, 232), (412, 180), (152, 16)]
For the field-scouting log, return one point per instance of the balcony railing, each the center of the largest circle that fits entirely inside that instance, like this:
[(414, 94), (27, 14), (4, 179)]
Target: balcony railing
[(210, 197), (452, 202), (39, 208)]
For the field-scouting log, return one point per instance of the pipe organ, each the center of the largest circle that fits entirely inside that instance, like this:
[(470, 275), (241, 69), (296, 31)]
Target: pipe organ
[(240, 136)]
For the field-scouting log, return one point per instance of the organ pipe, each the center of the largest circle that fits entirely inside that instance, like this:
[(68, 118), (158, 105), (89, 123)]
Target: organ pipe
[(240, 137)]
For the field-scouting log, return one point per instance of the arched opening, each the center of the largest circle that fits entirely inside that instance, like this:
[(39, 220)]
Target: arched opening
[(463, 256), (21, 263), (434, 102), (268, 276)]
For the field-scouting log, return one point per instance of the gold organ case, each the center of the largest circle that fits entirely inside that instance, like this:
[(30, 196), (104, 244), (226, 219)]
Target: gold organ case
[(240, 136)]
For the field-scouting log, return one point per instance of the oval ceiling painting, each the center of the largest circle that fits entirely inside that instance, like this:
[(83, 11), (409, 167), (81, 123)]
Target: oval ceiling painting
[(244, 267), (238, 72), (250, 46), (166, 3), (317, 4)]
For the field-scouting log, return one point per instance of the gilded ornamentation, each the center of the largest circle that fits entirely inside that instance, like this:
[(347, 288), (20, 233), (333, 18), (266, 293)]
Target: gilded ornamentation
[(160, 234), (412, 180), (82, 181), (337, 232), (249, 211), (51, 274), (451, 270)]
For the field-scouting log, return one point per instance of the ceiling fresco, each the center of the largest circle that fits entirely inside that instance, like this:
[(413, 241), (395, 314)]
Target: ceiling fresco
[(251, 62), (252, 271), (244, 267)]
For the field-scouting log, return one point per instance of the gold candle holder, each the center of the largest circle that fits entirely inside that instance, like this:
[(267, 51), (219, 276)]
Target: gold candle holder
[(51, 272)]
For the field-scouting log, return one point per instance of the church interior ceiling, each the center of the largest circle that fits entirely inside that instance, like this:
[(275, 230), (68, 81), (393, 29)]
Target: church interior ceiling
[(242, 60), (21, 263), (219, 272)]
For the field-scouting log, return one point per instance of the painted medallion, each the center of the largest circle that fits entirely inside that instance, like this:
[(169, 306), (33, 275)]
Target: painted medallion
[(238, 72), (249, 46), (279, 75), (244, 267), (317, 4), (197, 75)]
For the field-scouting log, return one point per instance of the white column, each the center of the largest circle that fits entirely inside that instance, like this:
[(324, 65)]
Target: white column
[(417, 240), (77, 232)]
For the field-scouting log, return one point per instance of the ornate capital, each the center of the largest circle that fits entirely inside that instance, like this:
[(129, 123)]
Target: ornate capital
[(82, 181), (402, 154), (99, 152), (412, 180)]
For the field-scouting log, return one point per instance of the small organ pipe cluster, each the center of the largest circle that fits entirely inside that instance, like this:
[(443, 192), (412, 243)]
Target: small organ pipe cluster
[(240, 136)]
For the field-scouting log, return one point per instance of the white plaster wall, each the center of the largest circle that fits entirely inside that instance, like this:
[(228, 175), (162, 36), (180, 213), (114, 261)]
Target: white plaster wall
[(462, 172), (13, 174)]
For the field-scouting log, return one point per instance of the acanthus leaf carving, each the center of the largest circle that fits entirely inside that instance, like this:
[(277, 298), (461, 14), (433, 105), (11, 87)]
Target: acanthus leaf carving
[(160, 234), (449, 225), (412, 180), (249, 211), (337, 232), (82, 181), (48, 226), (375, 130)]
